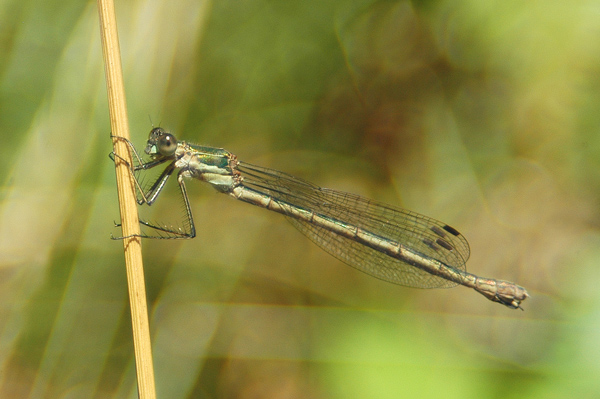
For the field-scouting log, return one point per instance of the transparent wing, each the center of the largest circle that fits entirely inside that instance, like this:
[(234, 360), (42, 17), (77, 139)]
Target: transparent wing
[(417, 232)]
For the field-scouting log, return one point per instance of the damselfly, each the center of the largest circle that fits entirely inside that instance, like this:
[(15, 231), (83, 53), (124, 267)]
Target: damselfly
[(387, 242)]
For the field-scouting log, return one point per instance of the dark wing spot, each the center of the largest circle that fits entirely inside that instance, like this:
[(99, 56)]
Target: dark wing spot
[(445, 244), (451, 230), (438, 231), (430, 244)]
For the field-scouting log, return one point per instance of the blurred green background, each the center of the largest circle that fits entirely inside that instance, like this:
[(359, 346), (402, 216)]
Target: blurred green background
[(483, 114)]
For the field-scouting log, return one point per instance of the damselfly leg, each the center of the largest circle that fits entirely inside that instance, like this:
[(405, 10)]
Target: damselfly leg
[(149, 186)]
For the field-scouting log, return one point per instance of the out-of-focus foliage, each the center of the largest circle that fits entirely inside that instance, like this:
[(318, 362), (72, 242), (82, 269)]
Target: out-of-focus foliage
[(481, 114)]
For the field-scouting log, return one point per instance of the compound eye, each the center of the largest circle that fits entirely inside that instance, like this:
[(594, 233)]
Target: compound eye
[(167, 144)]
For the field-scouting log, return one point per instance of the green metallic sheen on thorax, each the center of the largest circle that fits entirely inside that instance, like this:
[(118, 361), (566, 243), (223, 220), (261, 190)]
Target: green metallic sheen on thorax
[(215, 166), (212, 156)]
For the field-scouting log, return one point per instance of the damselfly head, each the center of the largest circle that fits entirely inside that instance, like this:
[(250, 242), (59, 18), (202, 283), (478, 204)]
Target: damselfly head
[(161, 143)]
